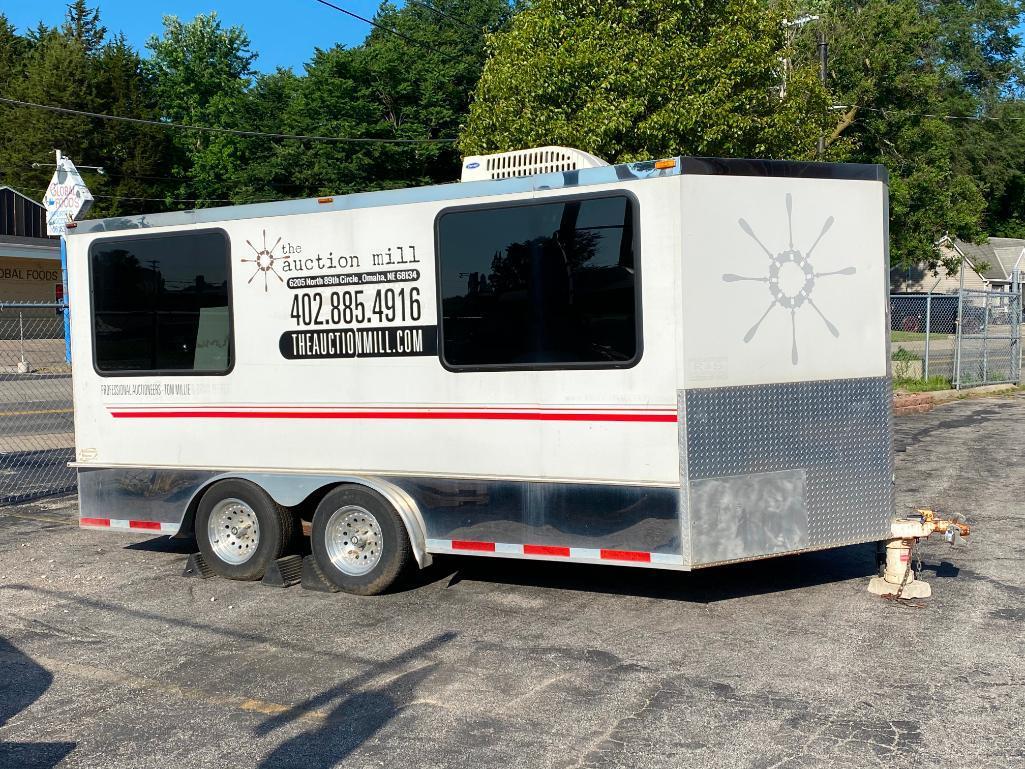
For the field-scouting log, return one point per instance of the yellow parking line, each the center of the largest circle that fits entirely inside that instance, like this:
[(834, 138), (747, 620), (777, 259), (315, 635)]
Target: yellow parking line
[(102, 675), (35, 411)]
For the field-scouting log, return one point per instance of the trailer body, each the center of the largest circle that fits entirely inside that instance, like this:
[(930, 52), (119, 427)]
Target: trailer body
[(672, 364)]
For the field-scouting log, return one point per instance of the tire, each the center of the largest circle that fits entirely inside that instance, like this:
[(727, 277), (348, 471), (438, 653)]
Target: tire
[(379, 555), (244, 555)]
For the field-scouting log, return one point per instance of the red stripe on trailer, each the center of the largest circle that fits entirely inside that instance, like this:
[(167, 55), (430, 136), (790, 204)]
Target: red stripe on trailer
[(155, 525), (462, 544), (582, 554), (94, 521), (536, 416), (546, 550), (625, 555)]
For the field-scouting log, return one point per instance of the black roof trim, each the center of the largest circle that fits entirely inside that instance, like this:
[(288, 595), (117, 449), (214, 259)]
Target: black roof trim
[(786, 168)]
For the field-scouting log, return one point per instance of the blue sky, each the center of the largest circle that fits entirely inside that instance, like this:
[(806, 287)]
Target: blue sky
[(284, 34)]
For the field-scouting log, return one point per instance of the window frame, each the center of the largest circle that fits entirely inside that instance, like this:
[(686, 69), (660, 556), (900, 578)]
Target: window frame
[(634, 206), (163, 372)]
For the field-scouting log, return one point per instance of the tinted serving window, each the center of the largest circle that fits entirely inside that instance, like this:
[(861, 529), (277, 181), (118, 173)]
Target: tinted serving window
[(162, 303), (551, 284)]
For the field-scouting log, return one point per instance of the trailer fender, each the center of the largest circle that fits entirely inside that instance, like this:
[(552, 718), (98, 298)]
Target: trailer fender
[(289, 490)]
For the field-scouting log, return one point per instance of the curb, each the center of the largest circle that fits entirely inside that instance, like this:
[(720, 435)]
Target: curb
[(919, 403), (911, 403)]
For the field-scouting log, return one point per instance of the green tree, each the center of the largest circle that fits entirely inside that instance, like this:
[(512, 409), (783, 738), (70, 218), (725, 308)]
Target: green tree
[(55, 71), (646, 78), (12, 53), (82, 23), (201, 73), (73, 66), (134, 156), (898, 67), (414, 85)]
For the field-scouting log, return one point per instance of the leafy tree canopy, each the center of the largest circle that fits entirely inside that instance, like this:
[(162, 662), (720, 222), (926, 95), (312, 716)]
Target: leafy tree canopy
[(647, 78), (898, 67), (625, 80)]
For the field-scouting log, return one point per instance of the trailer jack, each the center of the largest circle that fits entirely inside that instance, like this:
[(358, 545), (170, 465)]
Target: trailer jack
[(899, 579)]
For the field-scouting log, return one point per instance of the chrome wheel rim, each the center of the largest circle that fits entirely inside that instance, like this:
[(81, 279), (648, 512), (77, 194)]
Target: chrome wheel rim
[(233, 531), (353, 540)]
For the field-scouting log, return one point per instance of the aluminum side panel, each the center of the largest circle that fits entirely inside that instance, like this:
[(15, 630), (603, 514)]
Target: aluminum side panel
[(598, 516), (837, 434)]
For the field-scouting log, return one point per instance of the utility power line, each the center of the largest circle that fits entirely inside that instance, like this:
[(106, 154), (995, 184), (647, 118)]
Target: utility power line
[(212, 129), (884, 112), (389, 30)]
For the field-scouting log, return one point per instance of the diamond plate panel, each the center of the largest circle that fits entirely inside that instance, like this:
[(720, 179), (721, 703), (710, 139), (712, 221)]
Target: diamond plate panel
[(839, 432)]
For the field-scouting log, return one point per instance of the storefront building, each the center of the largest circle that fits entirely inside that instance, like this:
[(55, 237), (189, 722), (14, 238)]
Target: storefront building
[(29, 260)]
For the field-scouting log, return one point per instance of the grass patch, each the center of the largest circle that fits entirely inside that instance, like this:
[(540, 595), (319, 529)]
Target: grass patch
[(915, 336), (906, 336), (921, 385), (904, 355)]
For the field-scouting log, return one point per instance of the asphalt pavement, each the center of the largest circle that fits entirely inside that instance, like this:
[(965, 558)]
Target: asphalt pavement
[(109, 658)]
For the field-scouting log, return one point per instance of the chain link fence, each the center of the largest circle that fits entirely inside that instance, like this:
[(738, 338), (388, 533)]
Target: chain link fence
[(989, 350), (955, 340), (923, 338), (37, 434)]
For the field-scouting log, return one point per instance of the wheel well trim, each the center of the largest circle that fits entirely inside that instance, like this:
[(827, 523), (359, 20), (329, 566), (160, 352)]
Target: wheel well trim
[(290, 490)]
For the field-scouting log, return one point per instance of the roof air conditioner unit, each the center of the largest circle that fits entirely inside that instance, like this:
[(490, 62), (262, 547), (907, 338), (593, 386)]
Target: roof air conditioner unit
[(540, 160)]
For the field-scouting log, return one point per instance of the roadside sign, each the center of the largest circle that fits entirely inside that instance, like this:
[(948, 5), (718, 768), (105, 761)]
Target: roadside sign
[(67, 197)]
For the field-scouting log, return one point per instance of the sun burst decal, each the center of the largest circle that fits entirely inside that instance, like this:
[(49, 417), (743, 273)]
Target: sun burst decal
[(264, 260), (790, 279)]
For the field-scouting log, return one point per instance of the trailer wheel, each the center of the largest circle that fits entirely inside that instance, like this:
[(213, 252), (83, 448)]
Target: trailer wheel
[(359, 542), (240, 530)]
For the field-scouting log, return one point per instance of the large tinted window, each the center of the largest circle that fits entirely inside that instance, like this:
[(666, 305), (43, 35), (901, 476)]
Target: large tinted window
[(548, 284), (161, 303)]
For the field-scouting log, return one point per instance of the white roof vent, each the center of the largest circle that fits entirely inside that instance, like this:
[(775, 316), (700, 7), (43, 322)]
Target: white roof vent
[(540, 160)]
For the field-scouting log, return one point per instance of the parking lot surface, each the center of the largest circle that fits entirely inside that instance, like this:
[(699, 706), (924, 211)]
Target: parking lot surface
[(109, 658)]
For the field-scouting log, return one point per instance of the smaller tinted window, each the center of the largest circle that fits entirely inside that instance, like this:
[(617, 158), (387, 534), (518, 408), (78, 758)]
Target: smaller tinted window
[(162, 303), (550, 284)]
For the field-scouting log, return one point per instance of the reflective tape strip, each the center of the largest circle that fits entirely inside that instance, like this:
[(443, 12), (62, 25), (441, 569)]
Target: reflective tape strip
[(462, 544), (123, 525), (562, 552), (553, 552), (626, 555)]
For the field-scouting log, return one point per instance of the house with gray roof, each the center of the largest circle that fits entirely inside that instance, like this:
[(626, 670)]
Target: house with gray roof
[(988, 266)]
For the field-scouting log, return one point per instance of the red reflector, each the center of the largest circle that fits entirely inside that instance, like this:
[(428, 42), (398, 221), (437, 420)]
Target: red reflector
[(546, 550), (486, 547), (625, 555), (144, 525), (94, 522)]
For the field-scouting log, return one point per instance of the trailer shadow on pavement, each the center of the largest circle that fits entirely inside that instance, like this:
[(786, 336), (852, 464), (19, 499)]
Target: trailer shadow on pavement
[(350, 723), (22, 683), (702, 586), (721, 583)]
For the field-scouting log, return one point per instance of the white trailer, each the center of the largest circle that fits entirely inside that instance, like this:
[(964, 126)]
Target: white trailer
[(671, 364)]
